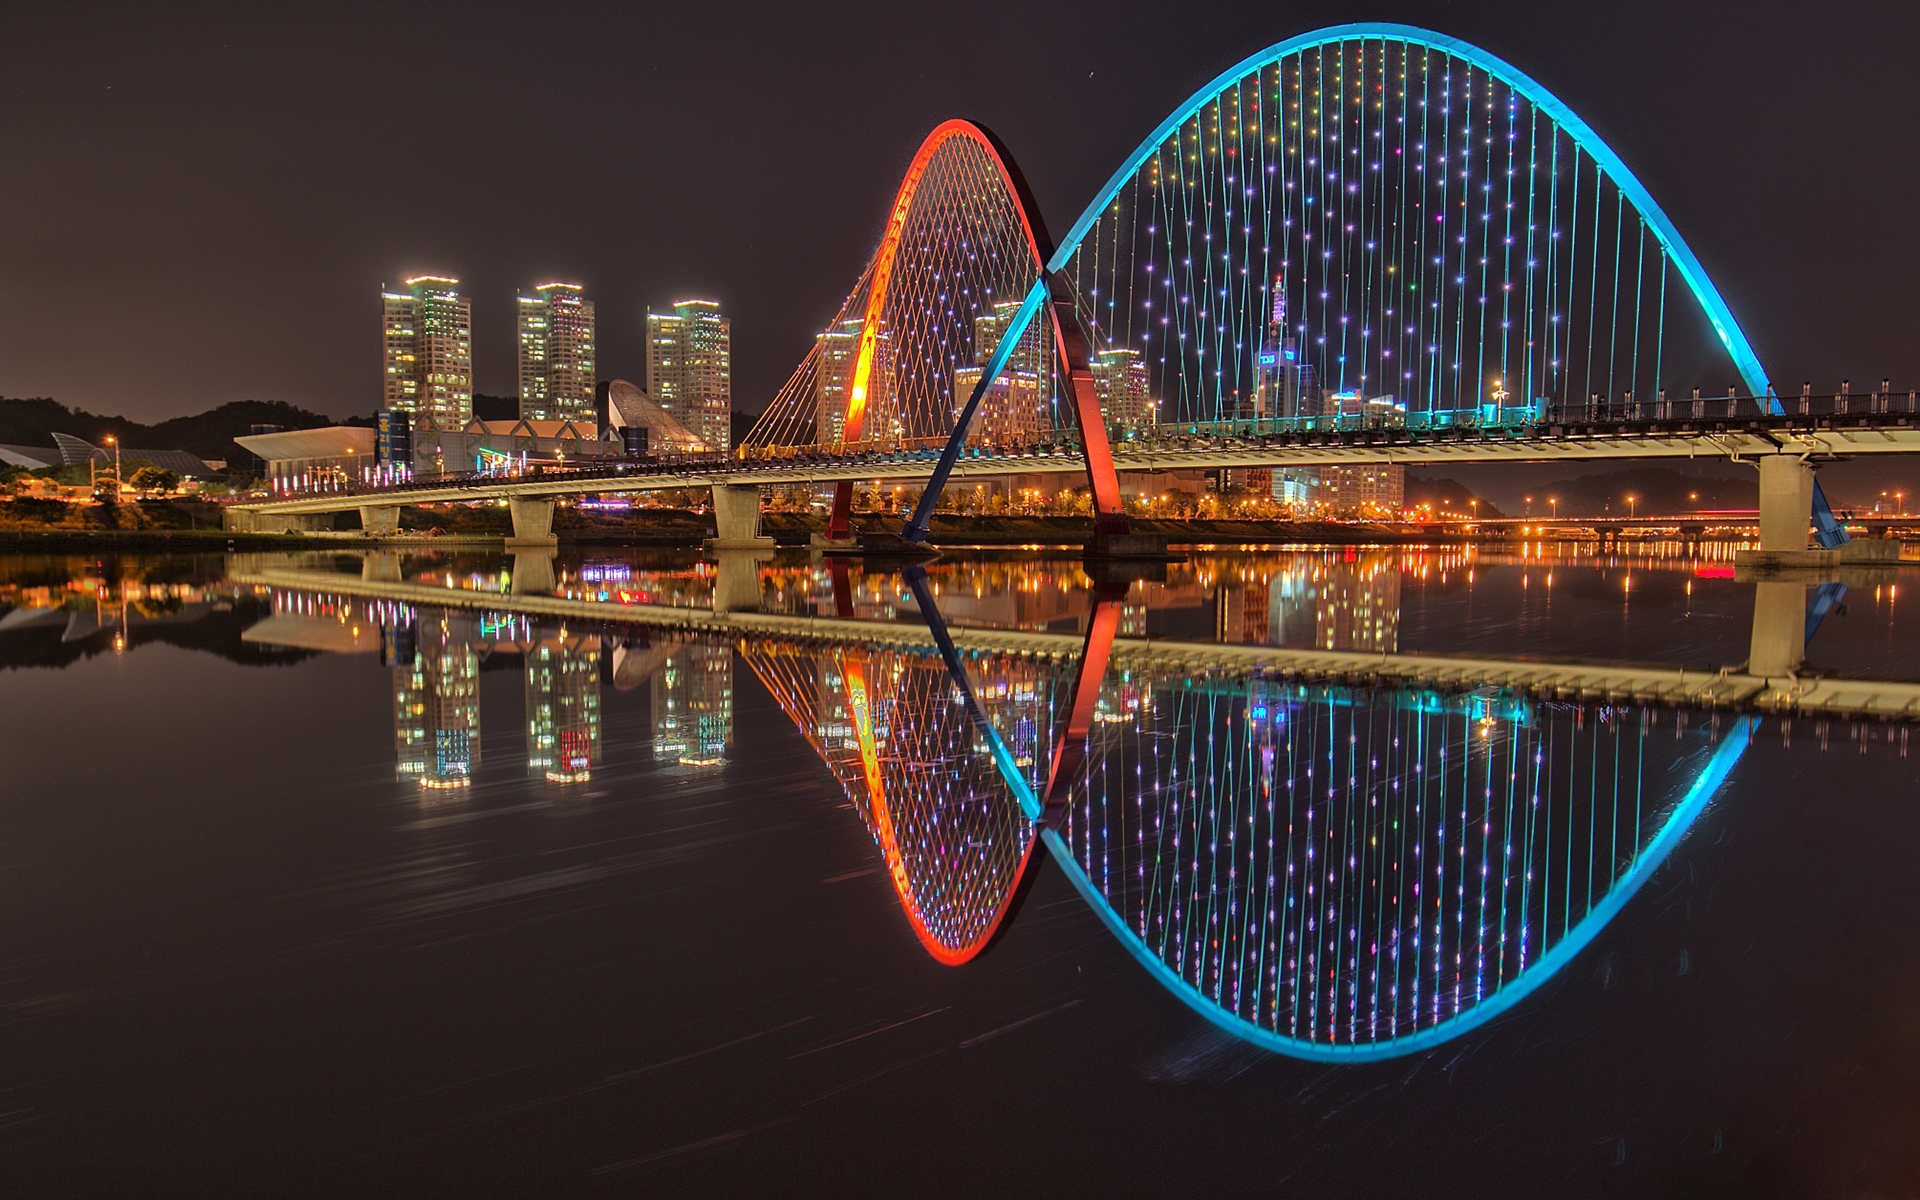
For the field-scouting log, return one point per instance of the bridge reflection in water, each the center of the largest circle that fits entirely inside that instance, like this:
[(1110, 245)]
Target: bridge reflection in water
[(1329, 872), (1333, 867)]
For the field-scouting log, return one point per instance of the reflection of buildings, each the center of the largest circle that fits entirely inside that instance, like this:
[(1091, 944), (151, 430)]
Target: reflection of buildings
[(693, 706), (1342, 605), (436, 702), (563, 707), (1014, 698)]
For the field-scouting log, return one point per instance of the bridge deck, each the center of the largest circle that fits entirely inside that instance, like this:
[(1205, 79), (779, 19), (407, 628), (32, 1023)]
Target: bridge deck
[(1846, 436), (1612, 683)]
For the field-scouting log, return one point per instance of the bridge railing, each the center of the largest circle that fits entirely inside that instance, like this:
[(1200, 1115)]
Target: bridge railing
[(1623, 413)]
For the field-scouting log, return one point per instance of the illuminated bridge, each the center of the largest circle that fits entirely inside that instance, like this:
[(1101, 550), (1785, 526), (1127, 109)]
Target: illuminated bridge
[(1336, 856), (1368, 244)]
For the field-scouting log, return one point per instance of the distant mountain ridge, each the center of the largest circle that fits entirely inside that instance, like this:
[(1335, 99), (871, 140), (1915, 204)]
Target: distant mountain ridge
[(1656, 491), (32, 422)]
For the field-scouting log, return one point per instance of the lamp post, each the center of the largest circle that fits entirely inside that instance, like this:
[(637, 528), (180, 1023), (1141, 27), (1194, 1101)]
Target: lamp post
[(1630, 503), (1529, 506), (115, 443), (1900, 498), (1553, 507)]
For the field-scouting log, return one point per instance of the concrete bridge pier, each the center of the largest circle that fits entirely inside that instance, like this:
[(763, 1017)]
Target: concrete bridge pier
[(380, 520), (1786, 502), (736, 518), (532, 523), (1779, 629), (736, 579), (241, 520), (533, 571)]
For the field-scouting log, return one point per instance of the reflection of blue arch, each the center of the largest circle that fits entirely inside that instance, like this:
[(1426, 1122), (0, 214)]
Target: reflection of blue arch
[(1577, 939), (1721, 317)]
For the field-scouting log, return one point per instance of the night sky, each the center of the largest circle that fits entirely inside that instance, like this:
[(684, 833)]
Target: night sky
[(201, 206)]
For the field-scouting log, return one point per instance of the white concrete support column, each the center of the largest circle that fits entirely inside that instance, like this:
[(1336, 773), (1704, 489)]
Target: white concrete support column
[(380, 520), (736, 518), (247, 521), (532, 521), (1779, 629), (1786, 502)]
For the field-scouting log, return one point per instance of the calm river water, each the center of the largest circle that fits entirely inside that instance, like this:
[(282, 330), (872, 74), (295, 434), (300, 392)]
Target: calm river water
[(461, 874)]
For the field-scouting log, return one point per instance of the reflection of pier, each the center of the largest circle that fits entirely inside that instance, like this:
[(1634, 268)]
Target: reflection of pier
[(1774, 691), (1338, 855)]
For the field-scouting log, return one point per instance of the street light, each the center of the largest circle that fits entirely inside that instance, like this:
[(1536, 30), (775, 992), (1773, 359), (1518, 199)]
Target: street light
[(1553, 507), (1900, 498), (1630, 503), (115, 443), (1529, 506)]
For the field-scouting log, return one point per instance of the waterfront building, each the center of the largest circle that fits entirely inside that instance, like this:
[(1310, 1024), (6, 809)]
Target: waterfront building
[(427, 345), (690, 368), (1368, 490), (693, 706), (556, 354), (293, 459)]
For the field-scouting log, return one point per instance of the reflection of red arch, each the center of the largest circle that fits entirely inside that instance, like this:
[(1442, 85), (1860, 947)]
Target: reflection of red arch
[(858, 699), (840, 525)]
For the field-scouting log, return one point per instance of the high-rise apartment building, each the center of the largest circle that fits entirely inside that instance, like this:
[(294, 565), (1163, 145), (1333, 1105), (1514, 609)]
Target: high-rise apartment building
[(1126, 394), (427, 343), (690, 368), (556, 354), (1015, 408)]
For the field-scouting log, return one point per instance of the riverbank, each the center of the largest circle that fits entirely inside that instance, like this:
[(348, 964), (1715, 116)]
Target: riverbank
[(53, 525)]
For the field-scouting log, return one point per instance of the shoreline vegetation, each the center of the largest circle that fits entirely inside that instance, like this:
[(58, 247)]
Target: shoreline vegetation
[(41, 523)]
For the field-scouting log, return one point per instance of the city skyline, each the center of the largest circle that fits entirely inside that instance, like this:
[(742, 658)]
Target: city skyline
[(200, 223)]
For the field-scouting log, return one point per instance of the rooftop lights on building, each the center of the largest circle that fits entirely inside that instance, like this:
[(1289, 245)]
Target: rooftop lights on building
[(430, 279)]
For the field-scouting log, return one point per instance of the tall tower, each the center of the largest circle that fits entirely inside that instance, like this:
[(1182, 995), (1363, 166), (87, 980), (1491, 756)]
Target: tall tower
[(427, 344), (556, 354), (690, 368)]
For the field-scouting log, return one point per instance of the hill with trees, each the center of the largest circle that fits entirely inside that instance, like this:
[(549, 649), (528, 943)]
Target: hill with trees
[(210, 434)]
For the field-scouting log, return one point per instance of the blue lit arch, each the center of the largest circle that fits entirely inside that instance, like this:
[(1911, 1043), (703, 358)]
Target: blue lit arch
[(1718, 315)]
